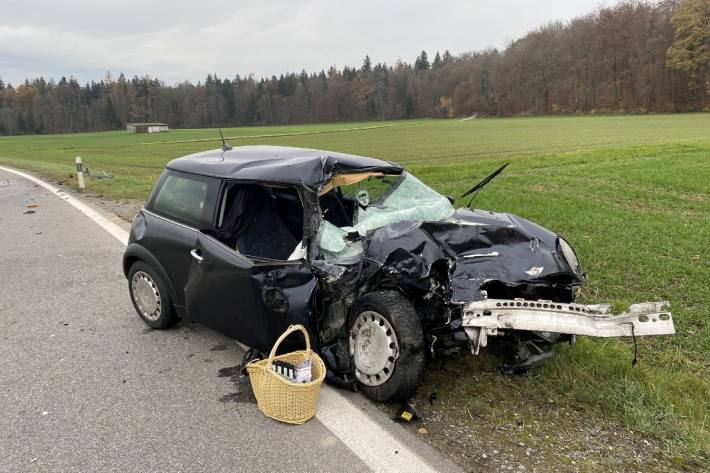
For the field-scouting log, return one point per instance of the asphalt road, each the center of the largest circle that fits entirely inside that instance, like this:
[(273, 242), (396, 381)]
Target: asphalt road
[(86, 386)]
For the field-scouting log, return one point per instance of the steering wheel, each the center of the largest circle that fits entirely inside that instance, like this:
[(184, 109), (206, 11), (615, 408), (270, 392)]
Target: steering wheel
[(340, 216)]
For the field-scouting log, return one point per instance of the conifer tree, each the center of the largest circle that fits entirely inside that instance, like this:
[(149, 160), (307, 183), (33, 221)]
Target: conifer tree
[(366, 65), (422, 62)]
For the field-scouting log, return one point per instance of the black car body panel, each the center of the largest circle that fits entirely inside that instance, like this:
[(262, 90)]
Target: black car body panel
[(252, 302)]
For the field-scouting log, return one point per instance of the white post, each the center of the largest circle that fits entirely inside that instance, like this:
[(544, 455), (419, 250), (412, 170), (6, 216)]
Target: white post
[(80, 172)]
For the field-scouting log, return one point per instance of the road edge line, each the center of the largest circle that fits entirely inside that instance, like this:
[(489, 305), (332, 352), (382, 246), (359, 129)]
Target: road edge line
[(117, 232)]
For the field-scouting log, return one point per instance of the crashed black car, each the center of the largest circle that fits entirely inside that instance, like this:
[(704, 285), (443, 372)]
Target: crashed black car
[(380, 268)]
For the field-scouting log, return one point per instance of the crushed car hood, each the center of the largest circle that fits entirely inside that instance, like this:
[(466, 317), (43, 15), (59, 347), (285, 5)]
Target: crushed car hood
[(475, 247)]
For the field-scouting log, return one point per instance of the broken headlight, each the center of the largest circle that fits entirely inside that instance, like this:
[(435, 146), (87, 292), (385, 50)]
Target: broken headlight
[(570, 256)]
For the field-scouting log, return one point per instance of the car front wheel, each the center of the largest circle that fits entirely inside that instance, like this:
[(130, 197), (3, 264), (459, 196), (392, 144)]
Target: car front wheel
[(150, 297), (386, 346)]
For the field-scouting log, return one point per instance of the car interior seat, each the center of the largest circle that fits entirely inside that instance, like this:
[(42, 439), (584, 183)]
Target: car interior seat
[(267, 236)]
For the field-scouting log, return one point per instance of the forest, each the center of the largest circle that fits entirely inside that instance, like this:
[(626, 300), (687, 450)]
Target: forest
[(632, 57)]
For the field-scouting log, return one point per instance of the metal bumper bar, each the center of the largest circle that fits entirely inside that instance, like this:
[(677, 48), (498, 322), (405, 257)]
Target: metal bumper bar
[(647, 318)]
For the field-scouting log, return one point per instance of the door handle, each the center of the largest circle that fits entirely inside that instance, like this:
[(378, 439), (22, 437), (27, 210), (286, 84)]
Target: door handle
[(196, 254)]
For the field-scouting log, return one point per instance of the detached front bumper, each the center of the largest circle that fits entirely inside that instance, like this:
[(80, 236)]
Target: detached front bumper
[(484, 318)]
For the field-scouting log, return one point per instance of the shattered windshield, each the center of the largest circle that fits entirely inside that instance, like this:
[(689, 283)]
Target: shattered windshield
[(381, 201)]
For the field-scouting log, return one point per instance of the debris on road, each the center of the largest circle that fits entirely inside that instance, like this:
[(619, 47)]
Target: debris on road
[(432, 397), (28, 212), (406, 413)]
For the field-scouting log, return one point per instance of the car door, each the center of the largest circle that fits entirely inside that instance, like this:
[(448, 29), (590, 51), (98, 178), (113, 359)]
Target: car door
[(248, 299), (170, 242), (180, 204)]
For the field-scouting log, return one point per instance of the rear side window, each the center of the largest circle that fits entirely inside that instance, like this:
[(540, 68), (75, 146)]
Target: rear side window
[(181, 199)]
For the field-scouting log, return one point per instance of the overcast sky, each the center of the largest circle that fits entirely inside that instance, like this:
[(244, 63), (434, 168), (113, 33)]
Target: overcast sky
[(184, 40)]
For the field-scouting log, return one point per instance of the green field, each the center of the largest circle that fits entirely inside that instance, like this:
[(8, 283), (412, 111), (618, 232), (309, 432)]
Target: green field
[(632, 193)]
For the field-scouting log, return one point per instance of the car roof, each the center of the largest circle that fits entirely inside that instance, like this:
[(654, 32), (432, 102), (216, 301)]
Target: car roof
[(279, 164)]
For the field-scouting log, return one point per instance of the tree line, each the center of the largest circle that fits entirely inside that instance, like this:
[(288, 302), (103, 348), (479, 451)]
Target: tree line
[(633, 57)]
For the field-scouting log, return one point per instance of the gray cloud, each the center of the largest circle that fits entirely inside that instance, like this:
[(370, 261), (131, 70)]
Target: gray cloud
[(184, 40)]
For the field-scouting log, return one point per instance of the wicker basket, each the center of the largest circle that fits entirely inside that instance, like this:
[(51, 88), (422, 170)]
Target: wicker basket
[(279, 398)]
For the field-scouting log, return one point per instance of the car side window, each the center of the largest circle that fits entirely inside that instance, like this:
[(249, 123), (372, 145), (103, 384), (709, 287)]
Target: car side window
[(261, 221), (181, 199)]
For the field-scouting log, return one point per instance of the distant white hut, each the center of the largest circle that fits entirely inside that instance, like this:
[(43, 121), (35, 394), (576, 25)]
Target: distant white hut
[(146, 127)]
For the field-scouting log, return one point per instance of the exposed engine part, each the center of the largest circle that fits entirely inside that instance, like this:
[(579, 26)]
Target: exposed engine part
[(434, 338), (528, 354), (478, 337)]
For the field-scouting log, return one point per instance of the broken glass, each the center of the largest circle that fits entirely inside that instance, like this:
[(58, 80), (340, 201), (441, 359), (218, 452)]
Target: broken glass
[(410, 199), (335, 245), (407, 199)]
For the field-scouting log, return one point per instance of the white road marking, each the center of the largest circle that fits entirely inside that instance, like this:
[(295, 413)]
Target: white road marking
[(377, 448), (119, 233)]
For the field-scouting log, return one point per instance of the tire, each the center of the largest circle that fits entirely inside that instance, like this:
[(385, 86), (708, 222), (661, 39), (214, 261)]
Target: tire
[(152, 293), (403, 373)]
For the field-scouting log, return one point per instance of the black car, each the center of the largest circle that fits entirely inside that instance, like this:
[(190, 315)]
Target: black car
[(380, 268)]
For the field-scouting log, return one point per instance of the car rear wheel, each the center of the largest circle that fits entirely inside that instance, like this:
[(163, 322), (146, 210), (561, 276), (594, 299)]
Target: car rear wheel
[(150, 297), (386, 346)]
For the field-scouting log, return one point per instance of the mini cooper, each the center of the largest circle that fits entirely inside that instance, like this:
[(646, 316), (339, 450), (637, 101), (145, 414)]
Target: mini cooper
[(381, 269)]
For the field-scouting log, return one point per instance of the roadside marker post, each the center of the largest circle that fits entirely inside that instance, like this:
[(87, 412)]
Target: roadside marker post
[(80, 172)]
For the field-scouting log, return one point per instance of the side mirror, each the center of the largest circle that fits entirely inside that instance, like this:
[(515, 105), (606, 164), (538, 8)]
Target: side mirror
[(451, 198)]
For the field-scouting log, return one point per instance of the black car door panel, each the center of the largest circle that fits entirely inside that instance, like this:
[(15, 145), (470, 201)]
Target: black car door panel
[(172, 242), (252, 301)]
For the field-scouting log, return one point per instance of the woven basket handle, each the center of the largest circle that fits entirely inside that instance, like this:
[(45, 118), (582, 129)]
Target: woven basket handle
[(289, 331)]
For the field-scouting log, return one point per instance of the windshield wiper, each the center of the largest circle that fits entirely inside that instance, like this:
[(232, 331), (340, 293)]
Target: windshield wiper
[(477, 188)]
